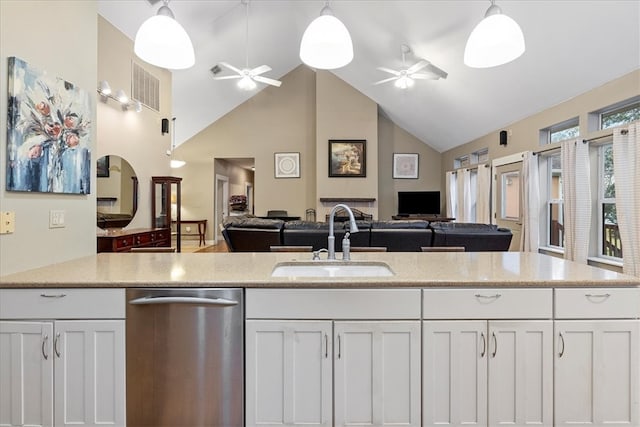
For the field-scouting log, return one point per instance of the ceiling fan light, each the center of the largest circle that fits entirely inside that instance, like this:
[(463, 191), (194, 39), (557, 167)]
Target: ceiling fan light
[(163, 42), (496, 40), (326, 43), (404, 82), (246, 83)]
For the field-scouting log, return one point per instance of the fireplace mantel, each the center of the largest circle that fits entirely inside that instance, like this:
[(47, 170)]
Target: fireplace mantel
[(347, 199)]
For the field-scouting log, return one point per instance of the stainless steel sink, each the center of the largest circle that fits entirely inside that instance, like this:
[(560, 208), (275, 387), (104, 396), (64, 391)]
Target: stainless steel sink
[(332, 269)]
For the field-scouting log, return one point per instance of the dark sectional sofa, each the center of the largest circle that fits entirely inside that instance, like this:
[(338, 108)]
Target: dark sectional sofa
[(251, 234)]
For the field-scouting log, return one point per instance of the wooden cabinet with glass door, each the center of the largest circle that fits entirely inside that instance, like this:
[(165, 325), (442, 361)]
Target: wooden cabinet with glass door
[(165, 204)]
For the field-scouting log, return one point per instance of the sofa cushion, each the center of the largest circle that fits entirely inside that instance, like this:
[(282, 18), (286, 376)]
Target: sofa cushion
[(474, 237), (404, 224), (309, 225), (252, 222)]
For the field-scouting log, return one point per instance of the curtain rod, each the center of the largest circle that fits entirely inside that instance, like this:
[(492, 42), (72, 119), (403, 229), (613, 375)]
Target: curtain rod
[(584, 141)]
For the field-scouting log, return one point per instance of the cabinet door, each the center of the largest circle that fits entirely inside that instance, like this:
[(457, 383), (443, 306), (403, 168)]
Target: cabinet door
[(377, 373), (90, 373), (26, 374), (520, 373), (597, 373), (288, 373), (455, 373)]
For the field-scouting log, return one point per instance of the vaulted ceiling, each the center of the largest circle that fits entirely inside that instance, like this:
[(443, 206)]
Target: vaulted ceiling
[(572, 46)]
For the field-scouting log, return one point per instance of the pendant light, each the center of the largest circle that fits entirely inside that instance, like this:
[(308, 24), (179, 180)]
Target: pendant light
[(496, 40), (173, 162), (161, 41), (326, 43)]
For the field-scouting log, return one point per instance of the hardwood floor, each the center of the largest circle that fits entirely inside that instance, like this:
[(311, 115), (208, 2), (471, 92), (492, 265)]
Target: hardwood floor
[(220, 247)]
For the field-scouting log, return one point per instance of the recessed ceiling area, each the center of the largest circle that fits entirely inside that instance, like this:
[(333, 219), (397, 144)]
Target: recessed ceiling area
[(572, 46)]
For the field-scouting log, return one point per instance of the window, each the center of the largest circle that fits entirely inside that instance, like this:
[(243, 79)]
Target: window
[(510, 196), (619, 116), (555, 205), (462, 162), (609, 234), (565, 130)]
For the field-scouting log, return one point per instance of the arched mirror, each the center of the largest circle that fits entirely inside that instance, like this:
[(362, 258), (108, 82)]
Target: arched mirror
[(117, 192)]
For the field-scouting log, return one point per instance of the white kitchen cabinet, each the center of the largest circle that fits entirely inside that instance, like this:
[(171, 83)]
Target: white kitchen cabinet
[(306, 367), (480, 372), (62, 372), (26, 374), (377, 373), (288, 373), (597, 357)]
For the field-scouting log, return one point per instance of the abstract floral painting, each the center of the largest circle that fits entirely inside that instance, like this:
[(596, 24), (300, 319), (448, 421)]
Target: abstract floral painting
[(48, 133)]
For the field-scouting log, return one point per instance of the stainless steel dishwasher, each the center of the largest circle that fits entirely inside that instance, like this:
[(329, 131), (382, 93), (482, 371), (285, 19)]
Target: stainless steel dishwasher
[(185, 357)]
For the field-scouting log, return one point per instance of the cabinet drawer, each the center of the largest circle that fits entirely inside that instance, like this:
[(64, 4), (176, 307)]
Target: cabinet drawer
[(598, 303), (124, 242), (487, 303), (333, 303), (51, 304)]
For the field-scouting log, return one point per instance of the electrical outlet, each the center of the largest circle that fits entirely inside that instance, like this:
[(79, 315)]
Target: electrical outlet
[(7, 222), (56, 219)]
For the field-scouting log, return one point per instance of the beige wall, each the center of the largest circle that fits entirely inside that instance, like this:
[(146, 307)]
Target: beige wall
[(525, 133), (394, 139), (136, 137), (65, 49), (344, 113), (274, 120)]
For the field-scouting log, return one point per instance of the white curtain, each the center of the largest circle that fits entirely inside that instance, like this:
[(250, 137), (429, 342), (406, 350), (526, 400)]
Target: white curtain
[(483, 211), (463, 189), (626, 165), (450, 188), (530, 235), (576, 190)]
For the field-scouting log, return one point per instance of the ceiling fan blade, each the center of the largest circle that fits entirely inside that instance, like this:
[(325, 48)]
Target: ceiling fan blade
[(389, 70), (417, 67), (231, 67), (390, 79), (259, 70), (420, 76), (226, 77), (267, 80)]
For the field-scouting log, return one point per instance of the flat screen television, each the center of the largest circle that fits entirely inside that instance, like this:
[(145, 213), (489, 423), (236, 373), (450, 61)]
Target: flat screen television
[(418, 203)]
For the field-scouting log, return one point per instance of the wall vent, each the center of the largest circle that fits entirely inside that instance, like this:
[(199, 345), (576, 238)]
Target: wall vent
[(146, 88)]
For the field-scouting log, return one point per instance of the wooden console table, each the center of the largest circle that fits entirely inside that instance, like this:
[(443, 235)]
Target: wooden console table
[(202, 229), (125, 240)]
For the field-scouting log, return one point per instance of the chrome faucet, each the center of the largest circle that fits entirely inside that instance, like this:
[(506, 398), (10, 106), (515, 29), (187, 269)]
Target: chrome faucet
[(353, 228)]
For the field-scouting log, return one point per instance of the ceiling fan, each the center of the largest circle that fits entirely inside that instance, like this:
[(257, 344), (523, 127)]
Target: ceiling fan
[(248, 76), (405, 78)]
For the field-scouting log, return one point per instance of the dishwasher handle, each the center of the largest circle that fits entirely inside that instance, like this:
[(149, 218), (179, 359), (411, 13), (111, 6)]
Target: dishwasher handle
[(221, 302)]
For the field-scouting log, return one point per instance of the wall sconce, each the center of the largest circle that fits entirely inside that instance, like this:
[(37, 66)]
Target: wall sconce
[(127, 104)]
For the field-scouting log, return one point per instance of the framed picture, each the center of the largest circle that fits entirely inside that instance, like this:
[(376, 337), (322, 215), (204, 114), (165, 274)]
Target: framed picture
[(405, 165), (287, 165), (347, 158), (48, 133), (102, 169)]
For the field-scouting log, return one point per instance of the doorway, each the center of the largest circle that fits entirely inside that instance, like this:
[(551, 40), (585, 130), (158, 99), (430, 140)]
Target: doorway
[(221, 208), (508, 185)]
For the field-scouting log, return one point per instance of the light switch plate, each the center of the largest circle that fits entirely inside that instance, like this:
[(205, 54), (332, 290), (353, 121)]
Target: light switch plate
[(7, 222), (56, 219)]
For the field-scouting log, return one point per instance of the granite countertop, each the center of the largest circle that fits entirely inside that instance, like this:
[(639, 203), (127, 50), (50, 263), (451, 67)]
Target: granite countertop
[(251, 270)]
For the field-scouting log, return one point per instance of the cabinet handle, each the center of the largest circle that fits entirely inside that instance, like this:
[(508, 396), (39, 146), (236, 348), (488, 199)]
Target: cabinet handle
[(495, 344), (494, 296), (55, 345), (561, 352), (339, 347), (326, 346), (44, 344), (597, 295), (484, 345), (53, 296)]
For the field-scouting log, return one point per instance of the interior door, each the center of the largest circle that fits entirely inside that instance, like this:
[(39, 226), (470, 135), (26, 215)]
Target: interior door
[(508, 212)]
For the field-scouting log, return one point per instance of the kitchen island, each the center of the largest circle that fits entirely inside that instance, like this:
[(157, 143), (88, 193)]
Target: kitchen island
[(482, 339)]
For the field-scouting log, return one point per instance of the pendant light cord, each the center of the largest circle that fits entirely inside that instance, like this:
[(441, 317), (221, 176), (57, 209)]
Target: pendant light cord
[(246, 35)]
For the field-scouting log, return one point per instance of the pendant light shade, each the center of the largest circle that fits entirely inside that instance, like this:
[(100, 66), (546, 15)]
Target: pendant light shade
[(496, 40), (326, 43), (161, 41)]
